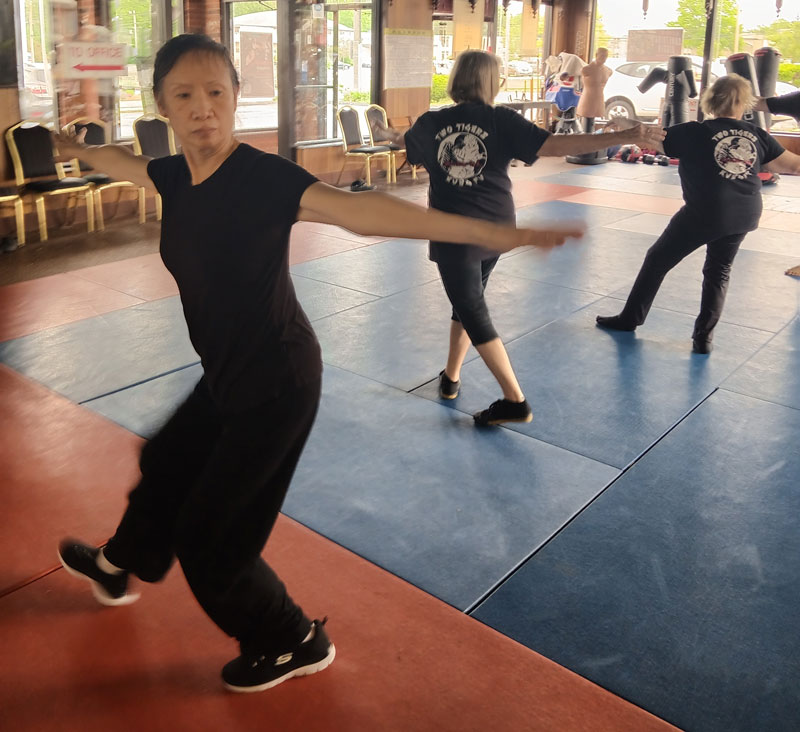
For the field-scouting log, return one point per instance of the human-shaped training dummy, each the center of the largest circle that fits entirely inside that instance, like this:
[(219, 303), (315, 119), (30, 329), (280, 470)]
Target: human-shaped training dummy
[(595, 77), (592, 103), (679, 78)]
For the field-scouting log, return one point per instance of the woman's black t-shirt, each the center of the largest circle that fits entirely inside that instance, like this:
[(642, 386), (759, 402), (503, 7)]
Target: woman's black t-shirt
[(719, 164), (226, 242), (466, 149)]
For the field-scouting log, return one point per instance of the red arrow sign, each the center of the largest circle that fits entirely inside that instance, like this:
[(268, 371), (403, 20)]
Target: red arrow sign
[(84, 67)]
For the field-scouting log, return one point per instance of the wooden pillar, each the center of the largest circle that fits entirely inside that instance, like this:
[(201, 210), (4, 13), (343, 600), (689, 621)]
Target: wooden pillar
[(572, 27), (407, 24), (203, 16)]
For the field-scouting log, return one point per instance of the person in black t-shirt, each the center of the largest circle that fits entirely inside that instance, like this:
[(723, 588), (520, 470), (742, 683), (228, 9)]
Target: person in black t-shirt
[(788, 104), (215, 476), (719, 163), (466, 149)]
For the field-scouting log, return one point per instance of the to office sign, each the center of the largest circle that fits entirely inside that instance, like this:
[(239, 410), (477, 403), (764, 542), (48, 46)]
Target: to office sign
[(91, 60)]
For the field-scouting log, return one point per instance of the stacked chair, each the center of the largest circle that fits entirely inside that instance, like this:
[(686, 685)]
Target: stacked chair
[(36, 171), (97, 134), (376, 114), (353, 144), (153, 137)]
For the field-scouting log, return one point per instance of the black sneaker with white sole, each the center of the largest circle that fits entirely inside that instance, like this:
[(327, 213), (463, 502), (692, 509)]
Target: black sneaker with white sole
[(253, 672), (80, 560), (448, 389), (504, 411)]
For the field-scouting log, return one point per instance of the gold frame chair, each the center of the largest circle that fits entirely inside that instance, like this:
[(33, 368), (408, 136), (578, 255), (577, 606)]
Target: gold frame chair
[(394, 148), (355, 147), (22, 180), (99, 187), (19, 213), (137, 149)]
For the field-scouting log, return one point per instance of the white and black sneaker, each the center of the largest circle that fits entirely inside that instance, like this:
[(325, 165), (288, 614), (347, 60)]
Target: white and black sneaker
[(80, 560), (252, 672)]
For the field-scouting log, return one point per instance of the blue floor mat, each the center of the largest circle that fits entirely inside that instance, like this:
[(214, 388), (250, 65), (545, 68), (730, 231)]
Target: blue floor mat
[(602, 262), (773, 374), (144, 408), (551, 213), (419, 490), (402, 340), (380, 269), (89, 358), (677, 588), (608, 395)]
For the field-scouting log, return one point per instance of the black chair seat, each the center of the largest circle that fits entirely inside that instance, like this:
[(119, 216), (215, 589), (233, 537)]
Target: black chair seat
[(98, 179), (6, 191), (369, 149), (46, 186)]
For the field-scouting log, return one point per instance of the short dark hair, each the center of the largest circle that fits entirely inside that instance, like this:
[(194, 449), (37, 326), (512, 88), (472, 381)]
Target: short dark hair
[(178, 46)]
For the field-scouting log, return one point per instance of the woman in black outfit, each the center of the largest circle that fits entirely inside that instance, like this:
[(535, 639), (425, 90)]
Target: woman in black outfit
[(466, 149), (215, 476), (719, 163), (788, 104)]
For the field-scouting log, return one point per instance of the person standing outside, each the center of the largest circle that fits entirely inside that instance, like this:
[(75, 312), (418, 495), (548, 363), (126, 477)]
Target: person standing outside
[(466, 149), (215, 476)]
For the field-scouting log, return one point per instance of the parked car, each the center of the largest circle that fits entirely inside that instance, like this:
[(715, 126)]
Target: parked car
[(623, 98), (519, 68)]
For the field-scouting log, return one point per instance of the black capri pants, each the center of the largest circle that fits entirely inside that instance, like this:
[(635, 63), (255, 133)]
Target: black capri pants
[(464, 281)]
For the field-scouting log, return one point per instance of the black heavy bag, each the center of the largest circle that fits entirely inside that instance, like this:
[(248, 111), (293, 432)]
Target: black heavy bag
[(679, 78), (767, 61), (744, 65)]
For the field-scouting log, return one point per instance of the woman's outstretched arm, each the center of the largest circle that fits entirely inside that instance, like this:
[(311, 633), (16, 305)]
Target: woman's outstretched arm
[(114, 160), (378, 214)]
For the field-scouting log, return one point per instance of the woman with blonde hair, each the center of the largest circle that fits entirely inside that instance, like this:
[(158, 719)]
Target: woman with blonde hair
[(720, 159), (467, 148)]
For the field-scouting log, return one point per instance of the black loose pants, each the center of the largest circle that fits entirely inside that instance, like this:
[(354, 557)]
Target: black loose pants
[(211, 488), (681, 237)]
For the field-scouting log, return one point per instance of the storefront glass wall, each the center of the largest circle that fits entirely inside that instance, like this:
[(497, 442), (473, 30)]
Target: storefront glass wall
[(638, 41), (91, 59)]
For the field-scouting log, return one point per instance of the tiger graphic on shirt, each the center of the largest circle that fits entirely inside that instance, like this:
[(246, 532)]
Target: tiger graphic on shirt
[(462, 153), (735, 153)]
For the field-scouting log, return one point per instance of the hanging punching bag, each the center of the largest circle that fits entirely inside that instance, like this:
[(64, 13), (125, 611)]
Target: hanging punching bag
[(767, 61), (744, 65), (679, 78)]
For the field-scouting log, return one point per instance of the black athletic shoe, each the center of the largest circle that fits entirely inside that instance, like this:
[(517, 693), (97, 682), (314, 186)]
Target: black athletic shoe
[(504, 411), (448, 389), (700, 345), (252, 672), (80, 560), (614, 322)]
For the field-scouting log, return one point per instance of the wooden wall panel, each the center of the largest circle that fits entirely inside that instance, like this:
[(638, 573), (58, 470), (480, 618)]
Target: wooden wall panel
[(412, 15)]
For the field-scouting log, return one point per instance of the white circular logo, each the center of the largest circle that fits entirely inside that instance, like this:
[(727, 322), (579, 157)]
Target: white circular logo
[(462, 156), (735, 155)]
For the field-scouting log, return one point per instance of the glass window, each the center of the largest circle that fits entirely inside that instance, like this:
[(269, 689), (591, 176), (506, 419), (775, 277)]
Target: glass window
[(758, 25), (334, 58), (254, 48), (114, 85), (519, 46)]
